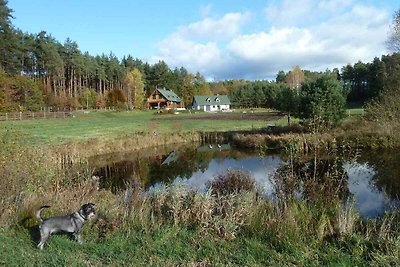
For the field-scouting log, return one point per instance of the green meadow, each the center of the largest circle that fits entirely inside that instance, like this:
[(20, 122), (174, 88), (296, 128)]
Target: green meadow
[(109, 124)]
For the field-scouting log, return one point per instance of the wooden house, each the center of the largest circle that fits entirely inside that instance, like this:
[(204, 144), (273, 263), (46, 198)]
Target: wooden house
[(164, 99)]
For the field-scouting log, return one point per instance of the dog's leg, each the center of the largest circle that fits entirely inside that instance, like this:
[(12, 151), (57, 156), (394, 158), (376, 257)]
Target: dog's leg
[(43, 238), (78, 237)]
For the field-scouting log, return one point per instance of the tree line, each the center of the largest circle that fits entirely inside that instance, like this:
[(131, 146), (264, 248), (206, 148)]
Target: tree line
[(37, 71), (62, 76)]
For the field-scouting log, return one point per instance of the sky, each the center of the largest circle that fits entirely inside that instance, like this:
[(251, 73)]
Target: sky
[(221, 39)]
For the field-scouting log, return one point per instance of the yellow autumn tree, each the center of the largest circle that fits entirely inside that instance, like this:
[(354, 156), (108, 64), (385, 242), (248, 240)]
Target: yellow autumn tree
[(134, 87), (295, 78)]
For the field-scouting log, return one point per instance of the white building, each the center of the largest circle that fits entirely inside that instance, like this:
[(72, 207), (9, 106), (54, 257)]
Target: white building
[(211, 103)]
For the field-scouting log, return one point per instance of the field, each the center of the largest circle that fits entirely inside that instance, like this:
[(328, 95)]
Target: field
[(354, 108), (84, 126)]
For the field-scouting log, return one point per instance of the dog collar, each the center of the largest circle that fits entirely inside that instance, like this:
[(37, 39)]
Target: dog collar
[(80, 215)]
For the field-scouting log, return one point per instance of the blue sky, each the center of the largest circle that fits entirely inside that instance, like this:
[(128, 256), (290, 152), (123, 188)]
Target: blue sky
[(222, 39)]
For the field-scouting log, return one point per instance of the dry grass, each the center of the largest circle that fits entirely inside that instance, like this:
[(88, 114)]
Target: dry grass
[(354, 132), (232, 182), (125, 142), (179, 206)]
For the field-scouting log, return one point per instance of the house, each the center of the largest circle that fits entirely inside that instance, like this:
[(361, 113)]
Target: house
[(164, 98), (211, 103)]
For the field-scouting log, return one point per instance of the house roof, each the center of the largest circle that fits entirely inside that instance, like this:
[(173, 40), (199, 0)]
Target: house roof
[(211, 100), (169, 95)]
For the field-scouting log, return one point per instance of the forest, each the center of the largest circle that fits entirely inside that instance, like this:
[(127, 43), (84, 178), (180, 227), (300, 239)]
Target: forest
[(37, 71)]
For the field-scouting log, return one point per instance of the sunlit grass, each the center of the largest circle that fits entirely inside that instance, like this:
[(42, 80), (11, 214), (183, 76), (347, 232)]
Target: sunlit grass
[(84, 126)]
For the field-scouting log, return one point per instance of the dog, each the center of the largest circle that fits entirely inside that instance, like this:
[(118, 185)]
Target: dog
[(72, 223)]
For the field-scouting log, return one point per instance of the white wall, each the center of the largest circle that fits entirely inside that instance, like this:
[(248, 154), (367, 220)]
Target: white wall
[(211, 107)]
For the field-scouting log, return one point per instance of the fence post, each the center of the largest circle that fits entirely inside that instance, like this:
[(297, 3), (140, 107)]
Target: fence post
[(33, 115), (20, 116), (44, 114), (6, 116), (64, 114)]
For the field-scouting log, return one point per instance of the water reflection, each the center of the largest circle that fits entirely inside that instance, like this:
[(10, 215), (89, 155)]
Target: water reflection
[(374, 183), (372, 179)]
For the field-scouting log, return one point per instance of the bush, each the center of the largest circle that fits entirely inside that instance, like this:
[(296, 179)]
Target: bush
[(165, 112), (116, 98), (385, 109), (19, 93), (232, 182)]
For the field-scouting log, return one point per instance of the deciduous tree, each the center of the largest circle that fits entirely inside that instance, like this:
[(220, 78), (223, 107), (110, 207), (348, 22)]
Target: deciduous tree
[(394, 38), (288, 101), (134, 88), (295, 78)]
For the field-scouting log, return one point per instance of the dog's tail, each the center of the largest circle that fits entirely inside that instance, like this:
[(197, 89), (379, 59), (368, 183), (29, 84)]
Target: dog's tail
[(39, 210)]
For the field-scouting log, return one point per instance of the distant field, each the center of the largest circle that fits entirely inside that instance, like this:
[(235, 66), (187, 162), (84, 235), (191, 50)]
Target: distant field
[(110, 123), (354, 108)]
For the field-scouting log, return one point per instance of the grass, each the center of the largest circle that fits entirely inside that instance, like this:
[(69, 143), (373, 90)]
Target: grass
[(355, 109), (172, 246), (108, 123)]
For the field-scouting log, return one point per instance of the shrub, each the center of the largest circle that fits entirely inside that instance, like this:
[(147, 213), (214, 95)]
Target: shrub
[(232, 182), (384, 110), (19, 93)]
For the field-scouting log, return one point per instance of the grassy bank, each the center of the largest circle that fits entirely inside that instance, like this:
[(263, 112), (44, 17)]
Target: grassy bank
[(173, 246), (176, 227)]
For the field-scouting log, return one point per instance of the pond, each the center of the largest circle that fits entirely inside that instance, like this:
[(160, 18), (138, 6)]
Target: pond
[(371, 179)]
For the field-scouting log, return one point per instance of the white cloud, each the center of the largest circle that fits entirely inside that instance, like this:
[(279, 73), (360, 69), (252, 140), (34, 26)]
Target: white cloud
[(313, 34), (227, 26), (289, 12), (178, 51)]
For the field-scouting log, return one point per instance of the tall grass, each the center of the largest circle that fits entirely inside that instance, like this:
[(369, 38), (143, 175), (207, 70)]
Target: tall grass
[(33, 176)]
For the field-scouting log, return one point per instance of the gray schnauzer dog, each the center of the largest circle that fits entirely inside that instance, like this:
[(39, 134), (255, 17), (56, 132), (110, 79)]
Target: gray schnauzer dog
[(72, 223)]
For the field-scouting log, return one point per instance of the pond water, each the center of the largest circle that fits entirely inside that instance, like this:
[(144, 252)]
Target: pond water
[(372, 179)]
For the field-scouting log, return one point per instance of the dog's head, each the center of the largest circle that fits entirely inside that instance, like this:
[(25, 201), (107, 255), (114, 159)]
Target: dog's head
[(88, 210)]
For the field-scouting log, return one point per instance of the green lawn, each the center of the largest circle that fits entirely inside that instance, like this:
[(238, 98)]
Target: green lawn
[(110, 123), (172, 246)]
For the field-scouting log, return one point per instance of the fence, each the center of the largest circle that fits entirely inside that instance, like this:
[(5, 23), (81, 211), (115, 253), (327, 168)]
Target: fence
[(34, 115)]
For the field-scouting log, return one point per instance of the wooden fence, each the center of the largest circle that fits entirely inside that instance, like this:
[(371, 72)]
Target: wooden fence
[(19, 116)]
